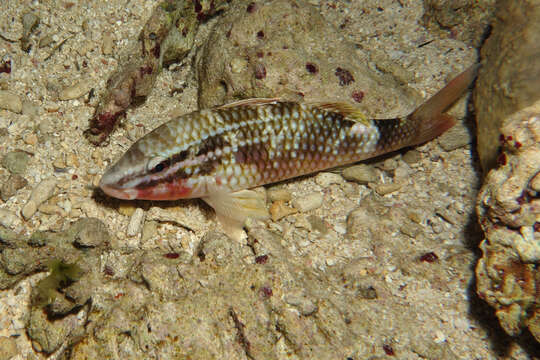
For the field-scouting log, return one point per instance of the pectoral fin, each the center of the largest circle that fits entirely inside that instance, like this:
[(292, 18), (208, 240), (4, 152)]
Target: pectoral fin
[(232, 209)]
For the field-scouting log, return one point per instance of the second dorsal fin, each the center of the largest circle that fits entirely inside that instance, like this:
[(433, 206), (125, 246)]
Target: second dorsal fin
[(348, 111), (250, 102)]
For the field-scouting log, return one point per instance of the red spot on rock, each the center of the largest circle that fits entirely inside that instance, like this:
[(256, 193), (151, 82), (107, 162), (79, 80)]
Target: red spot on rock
[(517, 144), (74, 177), (501, 139), (251, 7), (156, 51), (388, 350), (5, 67), (108, 270), (260, 34), (198, 6), (358, 96), (312, 68), (260, 54), (146, 70), (260, 71), (509, 138), (262, 259), (501, 159), (429, 257), (536, 226), (345, 76), (172, 255), (266, 292), (119, 295)]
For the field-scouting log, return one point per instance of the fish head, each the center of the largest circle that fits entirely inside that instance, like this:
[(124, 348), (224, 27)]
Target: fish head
[(145, 175)]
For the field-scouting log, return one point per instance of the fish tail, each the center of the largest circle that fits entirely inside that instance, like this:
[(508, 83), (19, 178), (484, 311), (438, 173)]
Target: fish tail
[(429, 116)]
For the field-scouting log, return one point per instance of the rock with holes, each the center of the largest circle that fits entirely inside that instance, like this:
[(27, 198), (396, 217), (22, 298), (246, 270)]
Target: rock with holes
[(509, 212), (274, 49)]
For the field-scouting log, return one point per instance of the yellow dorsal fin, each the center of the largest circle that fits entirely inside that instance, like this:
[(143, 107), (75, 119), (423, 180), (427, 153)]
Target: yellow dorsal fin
[(250, 102), (348, 110)]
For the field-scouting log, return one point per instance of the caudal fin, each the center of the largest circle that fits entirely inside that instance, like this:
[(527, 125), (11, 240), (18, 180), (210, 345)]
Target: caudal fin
[(432, 122)]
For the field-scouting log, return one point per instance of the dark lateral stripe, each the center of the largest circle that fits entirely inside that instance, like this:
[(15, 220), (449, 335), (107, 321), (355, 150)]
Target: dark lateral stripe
[(211, 143)]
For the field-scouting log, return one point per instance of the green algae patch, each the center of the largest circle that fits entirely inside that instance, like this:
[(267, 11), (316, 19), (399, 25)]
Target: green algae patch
[(61, 275)]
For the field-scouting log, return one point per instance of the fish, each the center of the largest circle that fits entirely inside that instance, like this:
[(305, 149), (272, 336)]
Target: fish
[(221, 154)]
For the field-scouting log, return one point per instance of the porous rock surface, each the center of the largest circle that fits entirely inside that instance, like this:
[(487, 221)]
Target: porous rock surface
[(509, 210)]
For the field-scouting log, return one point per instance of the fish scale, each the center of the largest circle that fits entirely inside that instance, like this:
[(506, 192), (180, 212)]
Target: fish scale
[(217, 154)]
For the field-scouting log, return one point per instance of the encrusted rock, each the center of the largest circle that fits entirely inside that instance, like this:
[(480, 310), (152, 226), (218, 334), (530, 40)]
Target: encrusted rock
[(509, 213)]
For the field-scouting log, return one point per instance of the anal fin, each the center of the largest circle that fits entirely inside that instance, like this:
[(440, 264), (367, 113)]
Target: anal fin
[(232, 209)]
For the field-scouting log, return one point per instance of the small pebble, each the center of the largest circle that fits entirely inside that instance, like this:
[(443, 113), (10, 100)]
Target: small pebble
[(10, 101), (126, 209), (238, 65), (74, 91), (385, 189), (10, 187), (360, 173), (42, 192), (16, 161), (412, 157), (317, 223), (135, 223), (278, 194), (30, 139), (9, 219), (308, 202), (279, 210), (326, 179), (107, 46), (455, 138), (412, 230)]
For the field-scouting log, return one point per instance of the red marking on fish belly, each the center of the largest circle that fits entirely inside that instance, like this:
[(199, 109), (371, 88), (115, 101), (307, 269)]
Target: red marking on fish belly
[(169, 191)]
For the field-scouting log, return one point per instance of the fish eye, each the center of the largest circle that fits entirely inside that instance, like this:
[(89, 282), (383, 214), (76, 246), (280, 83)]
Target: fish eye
[(158, 164)]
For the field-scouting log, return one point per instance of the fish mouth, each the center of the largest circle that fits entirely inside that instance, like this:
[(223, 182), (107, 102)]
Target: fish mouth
[(119, 193), (111, 188)]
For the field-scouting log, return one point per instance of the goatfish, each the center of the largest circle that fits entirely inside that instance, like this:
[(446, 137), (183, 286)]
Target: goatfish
[(219, 154)]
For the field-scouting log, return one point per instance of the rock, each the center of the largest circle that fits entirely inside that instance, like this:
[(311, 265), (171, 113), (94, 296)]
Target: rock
[(75, 91), (8, 348), (506, 81), (135, 223), (10, 101), (107, 46), (12, 184), (466, 20), (278, 194), (42, 192), (279, 210), (277, 39), (412, 157), (29, 22), (385, 189), (507, 275), (89, 232), (325, 179), (455, 138), (16, 161), (9, 219), (360, 173), (308, 202)]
